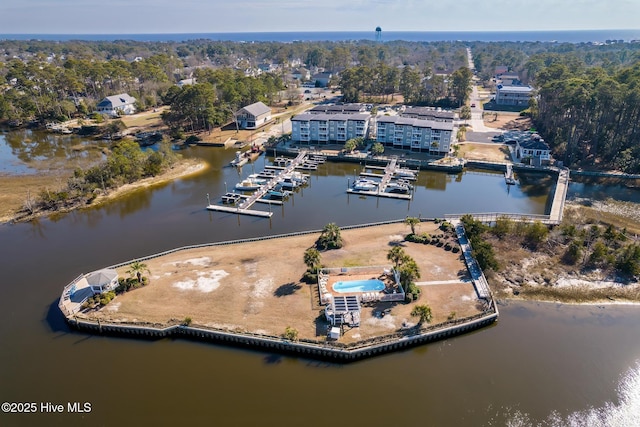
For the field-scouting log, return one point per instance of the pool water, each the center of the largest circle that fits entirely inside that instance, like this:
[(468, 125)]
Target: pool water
[(358, 286)]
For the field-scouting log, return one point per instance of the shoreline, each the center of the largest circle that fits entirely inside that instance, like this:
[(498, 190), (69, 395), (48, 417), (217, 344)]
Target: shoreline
[(182, 169), (263, 295)]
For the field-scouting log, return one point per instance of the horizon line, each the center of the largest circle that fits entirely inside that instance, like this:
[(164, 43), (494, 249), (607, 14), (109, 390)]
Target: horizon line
[(327, 31)]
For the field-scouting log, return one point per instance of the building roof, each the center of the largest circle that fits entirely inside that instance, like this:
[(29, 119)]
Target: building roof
[(515, 89), (101, 277), (418, 123), (426, 112), (338, 108), (256, 109), (116, 101), (321, 117), (534, 144)]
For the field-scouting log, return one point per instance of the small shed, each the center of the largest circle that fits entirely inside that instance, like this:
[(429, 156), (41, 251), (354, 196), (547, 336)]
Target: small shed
[(334, 333)]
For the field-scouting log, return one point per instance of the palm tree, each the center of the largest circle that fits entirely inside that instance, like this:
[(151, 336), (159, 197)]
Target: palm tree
[(396, 255), (424, 311), (412, 221), (312, 259), (409, 272), (330, 237), (136, 268)]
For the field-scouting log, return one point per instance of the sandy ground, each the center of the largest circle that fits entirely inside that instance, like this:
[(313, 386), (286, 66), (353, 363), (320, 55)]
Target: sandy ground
[(257, 286), (488, 152), (506, 121)]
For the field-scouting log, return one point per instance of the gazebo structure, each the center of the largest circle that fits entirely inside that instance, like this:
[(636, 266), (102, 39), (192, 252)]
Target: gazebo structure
[(102, 281)]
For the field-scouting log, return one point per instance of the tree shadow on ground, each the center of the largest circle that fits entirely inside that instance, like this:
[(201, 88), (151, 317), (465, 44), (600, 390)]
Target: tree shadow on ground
[(287, 289)]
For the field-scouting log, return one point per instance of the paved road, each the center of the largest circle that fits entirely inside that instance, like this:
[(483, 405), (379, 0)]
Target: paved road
[(476, 122)]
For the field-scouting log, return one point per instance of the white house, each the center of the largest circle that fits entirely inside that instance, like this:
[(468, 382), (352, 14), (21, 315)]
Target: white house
[(253, 116), (513, 95), (187, 82), (534, 148), (116, 105), (322, 79)]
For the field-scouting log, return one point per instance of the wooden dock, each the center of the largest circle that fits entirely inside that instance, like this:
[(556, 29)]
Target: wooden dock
[(237, 210), (389, 172), (242, 208), (380, 194), (559, 197)]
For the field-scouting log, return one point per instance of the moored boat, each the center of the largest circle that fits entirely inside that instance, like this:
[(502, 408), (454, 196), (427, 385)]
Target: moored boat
[(363, 184)]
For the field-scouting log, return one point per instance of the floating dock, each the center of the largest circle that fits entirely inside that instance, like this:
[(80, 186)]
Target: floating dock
[(390, 171), (242, 208), (239, 211), (508, 175)]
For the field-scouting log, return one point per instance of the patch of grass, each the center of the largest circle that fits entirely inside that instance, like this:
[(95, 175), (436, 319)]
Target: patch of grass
[(579, 294)]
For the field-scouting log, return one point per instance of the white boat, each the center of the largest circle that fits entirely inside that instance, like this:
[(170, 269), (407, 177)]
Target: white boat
[(365, 185), (278, 193), (239, 160), (288, 183), (255, 177), (296, 176), (405, 173), (508, 176), (399, 187), (248, 185)]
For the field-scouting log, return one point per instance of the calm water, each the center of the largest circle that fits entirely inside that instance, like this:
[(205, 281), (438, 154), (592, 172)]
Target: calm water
[(570, 36), (539, 360)]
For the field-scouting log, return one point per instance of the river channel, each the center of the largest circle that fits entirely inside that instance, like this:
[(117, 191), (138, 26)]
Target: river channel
[(541, 363)]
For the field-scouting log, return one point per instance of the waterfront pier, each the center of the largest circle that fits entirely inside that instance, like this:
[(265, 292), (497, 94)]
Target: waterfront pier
[(243, 207), (391, 171)]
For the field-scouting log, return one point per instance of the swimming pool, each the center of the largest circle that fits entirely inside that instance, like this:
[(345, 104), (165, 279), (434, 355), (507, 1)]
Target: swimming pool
[(358, 286)]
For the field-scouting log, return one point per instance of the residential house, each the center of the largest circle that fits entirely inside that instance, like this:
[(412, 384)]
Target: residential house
[(513, 95), (415, 134), (117, 105), (253, 116), (510, 79), (301, 74), (187, 82), (322, 128), (322, 79), (533, 148), (267, 67), (500, 70)]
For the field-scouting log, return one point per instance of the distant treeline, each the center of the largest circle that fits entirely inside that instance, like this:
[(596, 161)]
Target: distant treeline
[(587, 106)]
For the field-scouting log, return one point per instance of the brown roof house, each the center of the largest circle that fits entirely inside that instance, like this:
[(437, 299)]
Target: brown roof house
[(253, 116)]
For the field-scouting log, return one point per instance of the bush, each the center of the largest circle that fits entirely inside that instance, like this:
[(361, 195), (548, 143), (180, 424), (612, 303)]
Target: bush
[(291, 333), (309, 277), (187, 321)]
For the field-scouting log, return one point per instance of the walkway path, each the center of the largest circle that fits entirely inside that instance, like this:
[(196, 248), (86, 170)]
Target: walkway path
[(557, 207), (477, 276)]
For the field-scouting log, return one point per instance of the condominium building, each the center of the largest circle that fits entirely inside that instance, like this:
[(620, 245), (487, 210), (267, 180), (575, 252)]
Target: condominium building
[(410, 133), (323, 128)]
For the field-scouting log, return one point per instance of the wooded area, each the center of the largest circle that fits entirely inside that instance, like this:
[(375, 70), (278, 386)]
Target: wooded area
[(587, 106)]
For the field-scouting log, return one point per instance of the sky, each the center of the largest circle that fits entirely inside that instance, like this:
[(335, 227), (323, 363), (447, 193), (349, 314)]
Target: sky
[(214, 16)]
